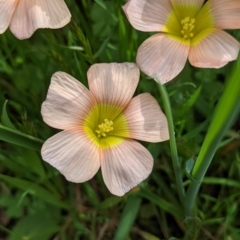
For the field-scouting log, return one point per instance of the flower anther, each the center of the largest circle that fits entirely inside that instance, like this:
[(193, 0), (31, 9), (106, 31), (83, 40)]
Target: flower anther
[(104, 128)]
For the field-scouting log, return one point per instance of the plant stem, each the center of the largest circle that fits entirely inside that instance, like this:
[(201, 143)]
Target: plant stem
[(224, 115), (173, 146)]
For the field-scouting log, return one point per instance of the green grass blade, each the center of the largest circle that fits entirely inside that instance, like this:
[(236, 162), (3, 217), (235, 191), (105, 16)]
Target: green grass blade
[(128, 217), (35, 190), (21, 139), (225, 113), (175, 160), (5, 119), (161, 203)]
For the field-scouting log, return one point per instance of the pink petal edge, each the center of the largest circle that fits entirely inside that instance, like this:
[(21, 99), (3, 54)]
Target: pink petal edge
[(148, 15), (214, 51), (162, 56), (67, 103), (226, 13), (33, 14), (113, 83), (73, 154), (7, 8), (145, 119), (125, 166)]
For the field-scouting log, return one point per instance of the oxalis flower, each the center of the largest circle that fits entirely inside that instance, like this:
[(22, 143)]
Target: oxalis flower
[(100, 125), (25, 16), (188, 29)]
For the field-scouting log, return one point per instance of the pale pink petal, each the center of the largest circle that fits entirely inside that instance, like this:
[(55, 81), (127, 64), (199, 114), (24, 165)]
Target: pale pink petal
[(145, 119), (186, 8), (68, 102), (125, 166), (7, 7), (33, 14), (214, 51), (73, 154), (226, 13), (187, 3), (113, 83), (162, 56), (148, 15)]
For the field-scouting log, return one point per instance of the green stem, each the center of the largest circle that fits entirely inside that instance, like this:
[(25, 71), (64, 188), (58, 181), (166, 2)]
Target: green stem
[(175, 160), (224, 115)]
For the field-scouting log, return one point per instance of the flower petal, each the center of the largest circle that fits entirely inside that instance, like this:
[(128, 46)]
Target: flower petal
[(225, 13), (7, 7), (33, 14), (145, 119), (163, 56), (68, 102), (188, 3), (73, 154), (214, 51), (186, 8), (125, 166), (148, 15), (113, 83)]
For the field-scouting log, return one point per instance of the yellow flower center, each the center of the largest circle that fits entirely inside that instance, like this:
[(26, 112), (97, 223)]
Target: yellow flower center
[(106, 125), (187, 27), (104, 128), (188, 24)]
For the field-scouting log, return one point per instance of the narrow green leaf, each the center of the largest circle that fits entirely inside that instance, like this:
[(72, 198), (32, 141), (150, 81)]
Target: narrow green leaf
[(161, 203), (92, 196), (21, 139), (7, 230), (32, 161), (221, 181), (5, 119), (128, 217), (189, 165), (34, 227), (224, 116), (225, 113), (192, 99), (109, 202), (34, 190)]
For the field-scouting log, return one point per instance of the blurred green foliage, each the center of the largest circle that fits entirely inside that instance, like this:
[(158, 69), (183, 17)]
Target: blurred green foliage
[(37, 203)]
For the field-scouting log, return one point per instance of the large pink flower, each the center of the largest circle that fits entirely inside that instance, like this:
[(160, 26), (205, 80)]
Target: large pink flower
[(26, 16), (99, 126), (188, 29)]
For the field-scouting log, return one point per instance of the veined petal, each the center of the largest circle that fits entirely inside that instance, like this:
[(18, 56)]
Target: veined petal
[(33, 14), (7, 7), (163, 56), (113, 83), (226, 13), (68, 102), (214, 51), (145, 119), (186, 8), (125, 166), (204, 19), (187, 3), (73, 154), (148, 15)]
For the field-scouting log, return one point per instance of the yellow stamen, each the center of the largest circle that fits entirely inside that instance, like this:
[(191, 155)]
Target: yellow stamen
[(104, 128), (187, 27)]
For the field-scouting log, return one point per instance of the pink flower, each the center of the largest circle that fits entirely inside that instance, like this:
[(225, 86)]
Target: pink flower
[(188, 29), (99, 126), (25, 16)]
